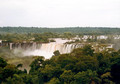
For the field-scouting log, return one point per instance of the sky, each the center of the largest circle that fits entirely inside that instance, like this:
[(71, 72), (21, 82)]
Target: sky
[(60, 13)]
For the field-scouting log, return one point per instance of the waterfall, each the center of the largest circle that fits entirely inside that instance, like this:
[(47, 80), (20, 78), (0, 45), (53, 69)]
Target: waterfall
[(44, 49), (11, 45), (47, 49)]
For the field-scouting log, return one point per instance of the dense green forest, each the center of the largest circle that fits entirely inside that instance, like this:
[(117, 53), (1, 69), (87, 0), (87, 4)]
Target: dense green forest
[(34, 37), (81, 66), (78, 30), (28, 34)]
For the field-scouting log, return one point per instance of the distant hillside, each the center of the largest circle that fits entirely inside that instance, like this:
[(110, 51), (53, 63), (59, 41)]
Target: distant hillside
[(80, 30)]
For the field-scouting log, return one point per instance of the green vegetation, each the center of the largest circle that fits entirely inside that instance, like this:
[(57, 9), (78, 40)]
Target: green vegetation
[(78, 30), (43, 35), (33, 37), (81, 66), (43, 38)]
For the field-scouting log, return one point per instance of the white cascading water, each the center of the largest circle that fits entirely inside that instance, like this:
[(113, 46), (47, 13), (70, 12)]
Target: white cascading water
[(47, 49)]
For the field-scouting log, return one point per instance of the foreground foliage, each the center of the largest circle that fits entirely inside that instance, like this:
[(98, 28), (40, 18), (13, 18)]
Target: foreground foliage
[(81, 66)]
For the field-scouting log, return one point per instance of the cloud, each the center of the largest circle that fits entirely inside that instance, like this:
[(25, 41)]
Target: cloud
[(57, 13)]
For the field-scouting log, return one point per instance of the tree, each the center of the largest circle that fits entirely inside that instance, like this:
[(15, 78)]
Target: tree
[(65, 59), (49, 71), (106, 78), (56, 53), (3, 63), (16, 79), (37, 63), (87, 50), (67, 76), (86, 77), (115, 72), (9, 70), (54, 81)]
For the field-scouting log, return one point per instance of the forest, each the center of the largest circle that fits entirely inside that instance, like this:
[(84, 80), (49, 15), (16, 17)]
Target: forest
[(81, 66), (78, 30)]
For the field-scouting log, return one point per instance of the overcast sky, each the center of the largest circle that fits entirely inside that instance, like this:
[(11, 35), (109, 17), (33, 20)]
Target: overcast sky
[(60, 13)]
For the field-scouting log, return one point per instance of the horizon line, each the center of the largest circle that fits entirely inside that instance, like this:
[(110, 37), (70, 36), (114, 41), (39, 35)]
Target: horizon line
[(60, 27)]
